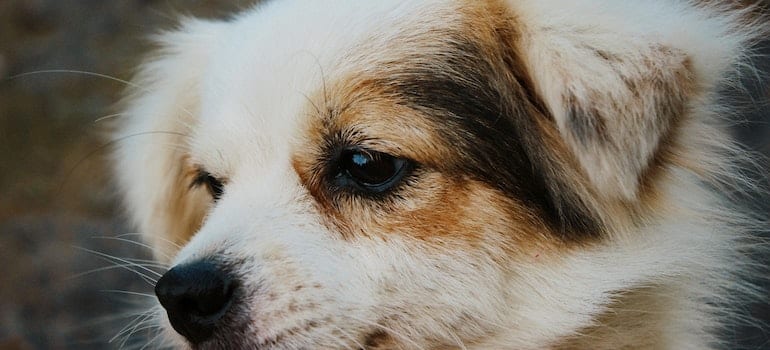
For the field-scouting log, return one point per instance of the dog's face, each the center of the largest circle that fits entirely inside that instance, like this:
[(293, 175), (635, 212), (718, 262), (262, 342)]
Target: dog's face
[(400, 175)]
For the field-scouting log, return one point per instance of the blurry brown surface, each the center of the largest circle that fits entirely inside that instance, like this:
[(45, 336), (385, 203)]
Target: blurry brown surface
[(55, 197)]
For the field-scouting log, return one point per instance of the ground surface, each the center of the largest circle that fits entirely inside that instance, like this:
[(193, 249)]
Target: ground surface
[(55, 200)]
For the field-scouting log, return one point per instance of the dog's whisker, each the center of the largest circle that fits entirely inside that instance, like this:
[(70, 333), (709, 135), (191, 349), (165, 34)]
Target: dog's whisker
[(137, 320), (107, 117), (74, 71), (312, 103), (128, 263), (128, 292), (141, 244), (154, 339), (127, 267), (163, 239), (149, 263), (147, 327), (125, 335), (111, 267), (147, 321)]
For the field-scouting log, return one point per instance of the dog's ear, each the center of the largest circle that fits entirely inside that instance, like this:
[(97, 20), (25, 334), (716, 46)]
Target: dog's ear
[(613, 101)]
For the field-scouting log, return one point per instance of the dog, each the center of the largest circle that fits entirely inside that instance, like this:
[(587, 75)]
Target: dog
[(443, 174)]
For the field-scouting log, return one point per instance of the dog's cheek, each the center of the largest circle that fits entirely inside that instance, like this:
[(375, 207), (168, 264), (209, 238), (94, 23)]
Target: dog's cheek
[(431, 294), (459, 214), (446, 267)]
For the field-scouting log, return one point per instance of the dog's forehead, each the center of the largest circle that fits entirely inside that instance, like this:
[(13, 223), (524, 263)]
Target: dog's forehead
[(269, 64)]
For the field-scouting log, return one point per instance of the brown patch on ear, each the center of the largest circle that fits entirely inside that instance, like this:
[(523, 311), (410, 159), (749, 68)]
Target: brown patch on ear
[(612, 108), (616, 134), (570, 199)]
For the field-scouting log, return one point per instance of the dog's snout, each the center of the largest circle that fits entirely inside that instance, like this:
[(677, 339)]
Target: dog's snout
[(196, 297)]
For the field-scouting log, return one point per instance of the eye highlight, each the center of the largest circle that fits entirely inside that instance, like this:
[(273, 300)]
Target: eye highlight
[(213, 185), (370, 171)]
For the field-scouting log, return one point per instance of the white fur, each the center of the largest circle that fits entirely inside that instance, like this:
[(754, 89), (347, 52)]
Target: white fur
[(232, 94)]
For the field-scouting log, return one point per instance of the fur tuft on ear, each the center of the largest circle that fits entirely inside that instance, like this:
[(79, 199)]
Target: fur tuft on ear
[(619, 86), (613, 108)]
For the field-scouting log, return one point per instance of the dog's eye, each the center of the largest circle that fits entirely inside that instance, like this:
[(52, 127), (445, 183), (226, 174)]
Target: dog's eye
[(213, 185), (371, 171)]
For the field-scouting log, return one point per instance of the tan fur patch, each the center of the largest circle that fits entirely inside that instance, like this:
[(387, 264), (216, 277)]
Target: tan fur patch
[(186, 205), (633, 321)]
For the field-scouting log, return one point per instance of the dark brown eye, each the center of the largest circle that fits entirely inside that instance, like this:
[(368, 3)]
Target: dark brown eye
[(370, 171), (213, 185)]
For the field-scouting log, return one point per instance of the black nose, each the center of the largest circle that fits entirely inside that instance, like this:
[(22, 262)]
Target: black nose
[(196, 296)]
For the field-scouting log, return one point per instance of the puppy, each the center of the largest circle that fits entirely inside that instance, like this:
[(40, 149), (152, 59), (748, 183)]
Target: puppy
[(442, 174)]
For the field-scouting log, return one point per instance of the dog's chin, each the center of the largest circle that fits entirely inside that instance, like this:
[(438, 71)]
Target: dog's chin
[(226, 336), (242, 336)]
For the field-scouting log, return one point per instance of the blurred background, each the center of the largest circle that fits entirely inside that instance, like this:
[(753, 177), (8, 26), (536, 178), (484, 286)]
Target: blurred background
[(56, 201)]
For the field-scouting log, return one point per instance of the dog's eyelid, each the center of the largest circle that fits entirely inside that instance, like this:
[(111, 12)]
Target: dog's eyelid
[(200, 176), (215, 185)]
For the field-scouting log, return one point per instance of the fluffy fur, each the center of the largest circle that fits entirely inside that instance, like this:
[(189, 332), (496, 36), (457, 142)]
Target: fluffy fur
[(571, 161)]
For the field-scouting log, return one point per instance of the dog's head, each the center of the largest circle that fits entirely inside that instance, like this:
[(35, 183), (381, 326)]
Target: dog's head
[(426, 174)]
